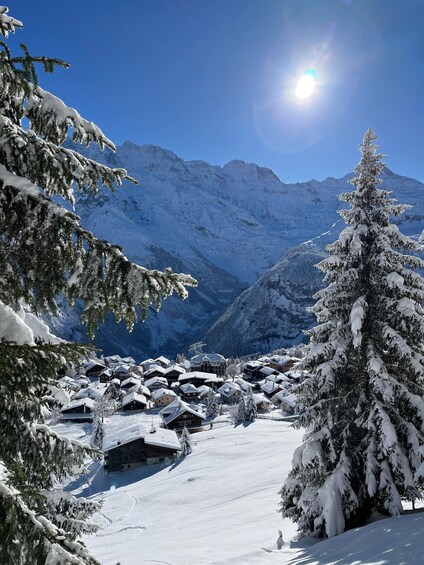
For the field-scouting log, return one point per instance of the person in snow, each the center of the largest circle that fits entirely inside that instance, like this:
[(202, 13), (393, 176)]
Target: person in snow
[(280, 541)]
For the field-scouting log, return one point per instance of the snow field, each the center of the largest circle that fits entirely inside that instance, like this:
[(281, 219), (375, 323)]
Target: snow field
[(220, 503)]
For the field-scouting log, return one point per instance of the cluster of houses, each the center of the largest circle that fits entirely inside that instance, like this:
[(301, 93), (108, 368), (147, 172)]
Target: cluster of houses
[(178, 392)]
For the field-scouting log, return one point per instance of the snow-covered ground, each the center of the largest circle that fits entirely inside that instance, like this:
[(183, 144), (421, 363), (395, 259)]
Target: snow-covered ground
[(219, 507)]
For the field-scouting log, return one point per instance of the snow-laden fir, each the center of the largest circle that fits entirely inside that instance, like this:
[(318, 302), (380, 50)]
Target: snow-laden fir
[(363, 451)]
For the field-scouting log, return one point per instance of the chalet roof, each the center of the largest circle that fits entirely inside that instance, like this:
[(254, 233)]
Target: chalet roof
[(269, 387), (113, 358), (93, 393), (160, 437), (211, 357), (244, 385), (160, 392), (289, 399), (162, 359), (91, 364), (146, 362), (188, 387), (108, 372), (229, 388), (175, 409), (197, 375), (88, 402), (176, 368), (134, 397), (130, 381), (154, 369), (253, 364), (128, 360), (155, 380), (260, 398), (267, 371)]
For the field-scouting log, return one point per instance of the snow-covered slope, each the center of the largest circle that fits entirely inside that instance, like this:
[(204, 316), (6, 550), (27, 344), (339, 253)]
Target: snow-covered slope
[(224, 225), (219, 507), (272, 312)]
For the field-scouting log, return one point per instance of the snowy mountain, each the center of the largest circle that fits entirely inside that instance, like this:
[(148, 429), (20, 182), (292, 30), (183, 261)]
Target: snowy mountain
[(272, 312), (224, 225)]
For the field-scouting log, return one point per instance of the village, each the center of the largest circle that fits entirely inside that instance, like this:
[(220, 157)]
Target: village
[(168, 398)]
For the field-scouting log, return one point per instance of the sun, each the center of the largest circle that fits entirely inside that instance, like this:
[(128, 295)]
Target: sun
[(306, 84)]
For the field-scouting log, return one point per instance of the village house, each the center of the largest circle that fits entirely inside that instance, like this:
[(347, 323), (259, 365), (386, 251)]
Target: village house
[(162, 361), (163, 397), (173, 372), (134, 401), (179, 415), (156, 382), (251, 370), (230, 393), (129, 382), (93, 368), (189, 392), (209, 363), (136, 445), (198, 378), (270, 388), (154, 371), (106, 376), (283, 363), (79, 411), (287, 402)]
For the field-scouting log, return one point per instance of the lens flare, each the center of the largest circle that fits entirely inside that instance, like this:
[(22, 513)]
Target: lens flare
[(306, 84)]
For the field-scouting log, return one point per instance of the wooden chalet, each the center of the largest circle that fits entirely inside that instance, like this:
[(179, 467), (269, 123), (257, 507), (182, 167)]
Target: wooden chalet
[(136, 445), (179, 415), (133, 401), (79, 410)]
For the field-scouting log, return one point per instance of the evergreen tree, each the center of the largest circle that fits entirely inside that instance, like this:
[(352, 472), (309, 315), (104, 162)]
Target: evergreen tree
[(185, 442), (212, 406), (364, 410), (251, 411), (45, 252), (103, 408), (240, 413)]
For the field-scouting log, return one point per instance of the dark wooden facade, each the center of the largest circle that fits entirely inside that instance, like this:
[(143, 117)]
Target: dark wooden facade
[(134, 454)]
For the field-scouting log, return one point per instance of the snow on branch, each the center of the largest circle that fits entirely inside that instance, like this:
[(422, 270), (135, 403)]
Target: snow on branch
[(7, 23), (97, 272)]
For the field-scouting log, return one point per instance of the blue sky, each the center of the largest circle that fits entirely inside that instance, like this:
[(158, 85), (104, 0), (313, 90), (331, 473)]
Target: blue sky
[(215, 80)]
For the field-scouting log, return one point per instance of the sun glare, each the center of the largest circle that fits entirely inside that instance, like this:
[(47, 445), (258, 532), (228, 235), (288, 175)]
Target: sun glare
[(306, 85)]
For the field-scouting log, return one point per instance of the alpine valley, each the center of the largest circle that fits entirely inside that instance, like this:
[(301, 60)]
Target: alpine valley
[(249, 239)]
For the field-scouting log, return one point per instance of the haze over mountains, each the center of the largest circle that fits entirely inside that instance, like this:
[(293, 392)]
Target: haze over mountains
[(226, 226)]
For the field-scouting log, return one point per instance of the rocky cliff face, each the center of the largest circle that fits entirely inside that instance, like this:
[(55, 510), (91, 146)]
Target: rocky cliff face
[(272, 313), (224, 225)]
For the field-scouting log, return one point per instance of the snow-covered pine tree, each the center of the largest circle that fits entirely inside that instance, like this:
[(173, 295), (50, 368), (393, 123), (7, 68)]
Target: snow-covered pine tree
[(251, 411), (211, 406), (45, 252), (240, 411), (103, 408), (186, 443), (364, 411)]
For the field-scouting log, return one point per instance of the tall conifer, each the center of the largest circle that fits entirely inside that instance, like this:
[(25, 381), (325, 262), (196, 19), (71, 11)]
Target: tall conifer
[(45, 252), (364, 410)]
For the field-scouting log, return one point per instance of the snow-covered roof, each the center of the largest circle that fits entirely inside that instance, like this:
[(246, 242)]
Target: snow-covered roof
[(266, 371), (211, 357), (229, 388), (289, 399), (128, 360), (91, 364), (253, 364), (93, 393), (176, 368), (269, 387), (130, 381), (197, 375), (160, 392), (87, 402), (159, 437), (188, 387), (175, 409), (261, 399), (154, 369), (162, 359), (134, 397), (244, 385), (155, 380)]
